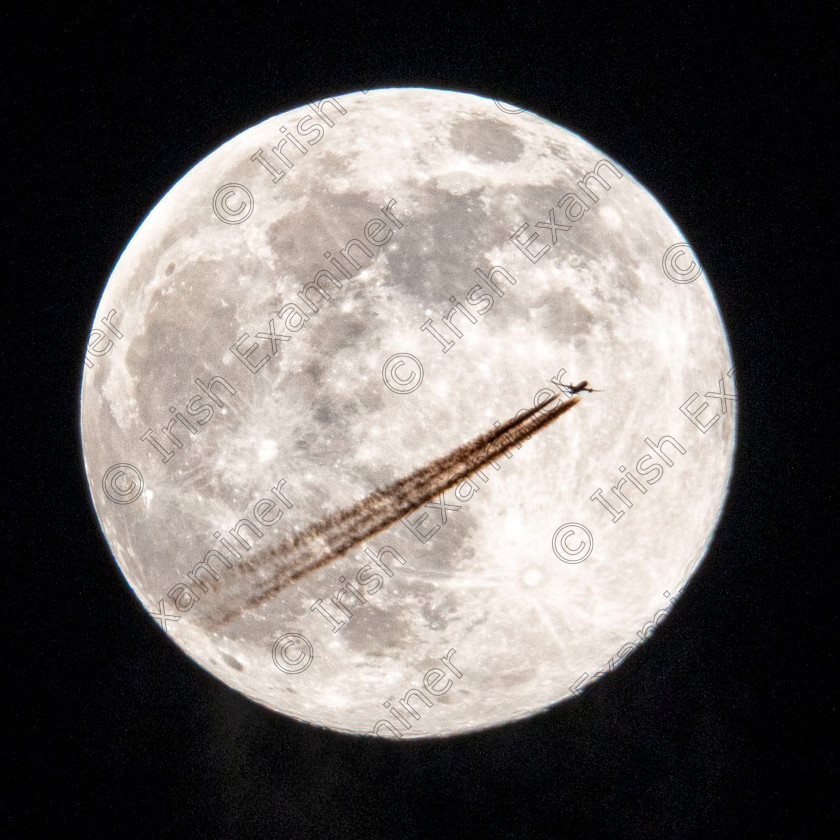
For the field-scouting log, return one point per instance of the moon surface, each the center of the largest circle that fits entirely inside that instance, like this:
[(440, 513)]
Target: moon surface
[(345, 293)]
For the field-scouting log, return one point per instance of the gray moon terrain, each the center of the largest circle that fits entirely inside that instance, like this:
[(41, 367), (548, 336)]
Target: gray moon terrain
[(350, 290)]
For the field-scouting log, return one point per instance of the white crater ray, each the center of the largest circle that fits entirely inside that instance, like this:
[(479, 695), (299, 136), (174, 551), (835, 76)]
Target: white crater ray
[(255, 367)]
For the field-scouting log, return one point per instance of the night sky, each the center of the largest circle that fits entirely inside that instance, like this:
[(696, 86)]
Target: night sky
[(716, 726)]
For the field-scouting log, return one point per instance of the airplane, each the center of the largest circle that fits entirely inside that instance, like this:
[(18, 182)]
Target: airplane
[(576, 389)]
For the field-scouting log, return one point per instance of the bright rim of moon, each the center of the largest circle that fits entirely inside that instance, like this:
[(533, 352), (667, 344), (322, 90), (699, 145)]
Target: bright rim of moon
[(350, 290)]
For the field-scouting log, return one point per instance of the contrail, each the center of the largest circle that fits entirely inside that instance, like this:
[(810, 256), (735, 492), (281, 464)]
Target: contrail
[(255, 580)]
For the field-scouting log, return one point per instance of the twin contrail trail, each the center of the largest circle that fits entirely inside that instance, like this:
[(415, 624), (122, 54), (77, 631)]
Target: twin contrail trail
[(255, 580)]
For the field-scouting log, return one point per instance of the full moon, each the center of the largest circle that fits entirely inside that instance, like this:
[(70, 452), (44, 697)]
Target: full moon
[(343, 294)]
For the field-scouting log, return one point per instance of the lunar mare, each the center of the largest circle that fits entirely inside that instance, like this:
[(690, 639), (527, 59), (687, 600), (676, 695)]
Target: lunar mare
[(248, 323)]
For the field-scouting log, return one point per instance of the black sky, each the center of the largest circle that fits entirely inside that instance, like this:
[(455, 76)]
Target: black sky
[(716, 727)]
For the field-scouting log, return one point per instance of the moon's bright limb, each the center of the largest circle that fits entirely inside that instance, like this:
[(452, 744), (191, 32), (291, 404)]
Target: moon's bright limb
[(334, 298)]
